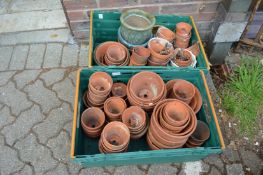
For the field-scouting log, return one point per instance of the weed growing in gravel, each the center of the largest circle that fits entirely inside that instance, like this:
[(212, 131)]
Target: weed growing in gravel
[(242, 95)]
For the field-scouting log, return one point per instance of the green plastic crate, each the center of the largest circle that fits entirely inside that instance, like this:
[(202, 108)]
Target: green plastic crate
[(104, 27), (85, 151)]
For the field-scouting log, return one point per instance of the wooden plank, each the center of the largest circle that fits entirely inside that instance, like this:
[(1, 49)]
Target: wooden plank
[(251, 42)]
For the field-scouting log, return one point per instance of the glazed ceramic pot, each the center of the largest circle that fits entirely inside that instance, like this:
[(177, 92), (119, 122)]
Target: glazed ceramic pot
[(114, 107), (183, 90), (119, 90), (115, 137), (165, 33), (136, 26), (100, 83), (92, 121), (140, 54)]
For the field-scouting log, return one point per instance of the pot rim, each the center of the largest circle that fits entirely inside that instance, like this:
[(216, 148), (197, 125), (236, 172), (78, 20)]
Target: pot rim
[(137, 12)]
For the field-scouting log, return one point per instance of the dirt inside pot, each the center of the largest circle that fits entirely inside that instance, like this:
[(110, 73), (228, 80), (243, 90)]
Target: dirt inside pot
[(134, 120), (166, 50), (182, 56)]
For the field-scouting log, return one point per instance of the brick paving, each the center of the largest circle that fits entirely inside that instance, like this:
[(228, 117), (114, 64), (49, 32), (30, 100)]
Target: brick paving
[(37, 84)]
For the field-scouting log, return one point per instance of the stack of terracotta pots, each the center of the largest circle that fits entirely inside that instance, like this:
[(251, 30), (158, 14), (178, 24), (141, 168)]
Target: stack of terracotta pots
[(182, 35), (136, 120), (139, 56), (112, 53), (161, 52), (185, 91), (146, 89), (183, 58), (92, 121), (200, 135), (119, 90), (99, 88), (115, 138), (114, 107), (165, 33), (172, 123)]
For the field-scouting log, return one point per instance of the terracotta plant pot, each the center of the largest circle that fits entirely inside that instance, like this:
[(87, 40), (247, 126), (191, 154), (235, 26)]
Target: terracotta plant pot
[(165, 33), (119, 90), (115, 137), (100, 83), (194, 49), (145, 89), (200, 135), (183, 28), (183, 58), (196, 102), (92, 121), (140, 54), (152, 63), (133, 62), (183, 90), (115, 47), (114, 107), (89, 103), (159, 137), (161, 50), (134, 118)]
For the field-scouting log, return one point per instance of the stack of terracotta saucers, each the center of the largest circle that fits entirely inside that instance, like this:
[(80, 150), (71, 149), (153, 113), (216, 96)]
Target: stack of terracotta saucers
[(172, 123), (114, 107), (146, 89), (186, 92), (92, 121), (200, 135), (112, 53), (99, 88), (115, 138), (137, 121)]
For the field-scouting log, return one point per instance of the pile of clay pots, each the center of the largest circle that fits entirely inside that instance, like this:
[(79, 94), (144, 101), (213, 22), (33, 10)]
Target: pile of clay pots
[(112, 54), (165, 113)]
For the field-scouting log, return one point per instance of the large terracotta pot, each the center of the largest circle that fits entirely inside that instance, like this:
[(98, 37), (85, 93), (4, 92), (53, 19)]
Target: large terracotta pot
[(92, 121), (114, 107)]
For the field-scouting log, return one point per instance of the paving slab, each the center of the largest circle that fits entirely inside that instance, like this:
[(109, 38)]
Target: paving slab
[(25, 77), (5, 77), (35, 56), (33, 20), (83, 57), (234, 169), (70, 55), (53, 55), (164, 169), (52, 76), (19, 57), (5, 57)]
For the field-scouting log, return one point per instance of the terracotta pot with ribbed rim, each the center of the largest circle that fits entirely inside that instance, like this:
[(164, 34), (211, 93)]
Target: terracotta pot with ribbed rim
[(183, 90), (119, 90), (100, 83), (140, 54), (134, 118), (114, 107), (92, 121), (115, 137), (165, 33)]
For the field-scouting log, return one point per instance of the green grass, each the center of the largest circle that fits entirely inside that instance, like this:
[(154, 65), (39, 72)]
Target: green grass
[(242, 94)]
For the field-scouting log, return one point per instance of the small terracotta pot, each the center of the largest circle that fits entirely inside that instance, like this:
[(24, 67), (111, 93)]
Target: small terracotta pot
[(201, 133), (98, 99), (100, 83), (183, 58), (114, 107), (183, 28), (165, 33), (89, 103), (181, 42), (119, 90), (134, 63), (92, 121), (115, 137), (140, 55), (152, 63), (183, 90), (196, 102), (116, 53)]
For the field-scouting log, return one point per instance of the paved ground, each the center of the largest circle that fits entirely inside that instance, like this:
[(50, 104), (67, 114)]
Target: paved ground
[(37, 85)]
